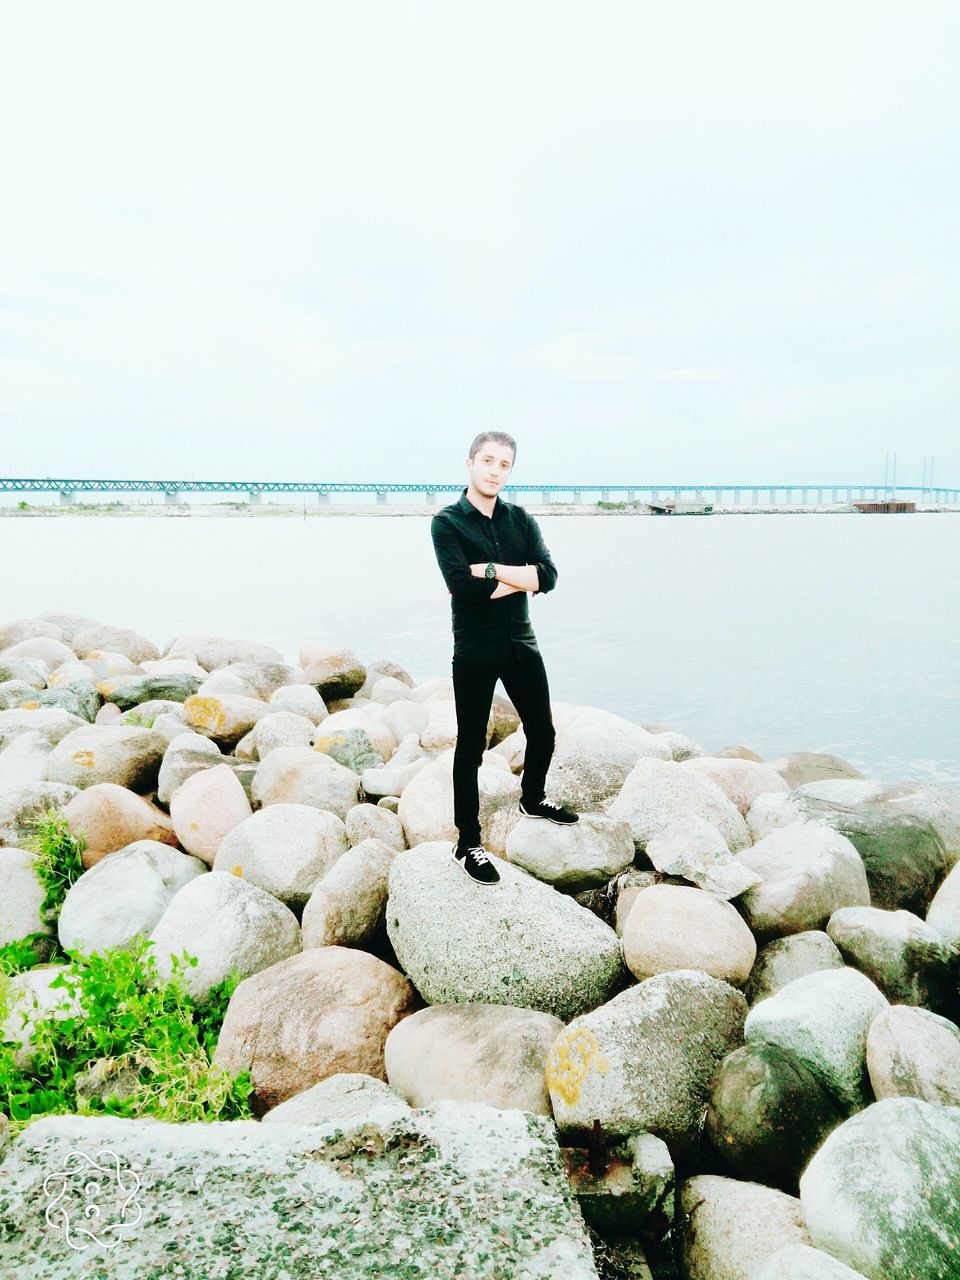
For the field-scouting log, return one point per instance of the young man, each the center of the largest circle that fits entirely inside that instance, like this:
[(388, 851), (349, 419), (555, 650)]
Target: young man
[(492, 556)]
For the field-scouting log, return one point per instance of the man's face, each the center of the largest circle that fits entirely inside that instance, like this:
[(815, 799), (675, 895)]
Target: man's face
[(492, 464)]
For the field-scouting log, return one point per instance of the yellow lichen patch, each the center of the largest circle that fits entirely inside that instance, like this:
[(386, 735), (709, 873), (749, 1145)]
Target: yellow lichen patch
[(106, 687), (85, 758), (29, 706), (194, 826), (237, 871), (574, 1052), (324, 744), (206, 712)]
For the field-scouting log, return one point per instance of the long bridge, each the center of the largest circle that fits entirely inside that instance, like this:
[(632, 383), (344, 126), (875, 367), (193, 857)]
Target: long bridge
[(772, 494)]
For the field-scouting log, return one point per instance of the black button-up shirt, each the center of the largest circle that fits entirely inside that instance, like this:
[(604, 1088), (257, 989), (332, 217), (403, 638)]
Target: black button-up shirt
[(494, 630)]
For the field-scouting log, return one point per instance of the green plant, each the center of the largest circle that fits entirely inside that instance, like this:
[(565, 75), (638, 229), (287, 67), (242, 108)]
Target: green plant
[(23, 505), (142, 718), (59, 858), (138, 1021)]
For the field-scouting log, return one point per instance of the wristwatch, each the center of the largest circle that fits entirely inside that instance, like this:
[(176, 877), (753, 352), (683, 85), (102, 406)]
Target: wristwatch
[(491, 571)]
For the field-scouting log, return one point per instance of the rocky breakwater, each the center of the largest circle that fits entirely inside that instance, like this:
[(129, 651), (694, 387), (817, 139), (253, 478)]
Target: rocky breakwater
[(708, 1031)]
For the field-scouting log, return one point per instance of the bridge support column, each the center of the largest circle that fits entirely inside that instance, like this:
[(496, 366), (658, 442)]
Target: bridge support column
[(578, 495), (756, 497), (171, 498), (67, 497), (382, 497), (604, 495), (716, 497), (772, 498), (323, 498), (545, 496), (255, 498)]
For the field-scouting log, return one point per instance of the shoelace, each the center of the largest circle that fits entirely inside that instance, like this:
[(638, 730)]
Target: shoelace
[(477, 851)]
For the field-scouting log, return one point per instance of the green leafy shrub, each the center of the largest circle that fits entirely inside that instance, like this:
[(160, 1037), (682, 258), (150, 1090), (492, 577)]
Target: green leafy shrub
[(142, 718), (150, 1027), (59, 859)]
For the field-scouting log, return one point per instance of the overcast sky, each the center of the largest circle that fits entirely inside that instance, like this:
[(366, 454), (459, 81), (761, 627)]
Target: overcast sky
[(656, 242)]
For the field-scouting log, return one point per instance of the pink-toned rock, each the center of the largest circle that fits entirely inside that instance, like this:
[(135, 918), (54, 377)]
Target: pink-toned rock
[(206, 808), (311, 1016), (739, 779), (53, 652), (112, 817), (223, 717)]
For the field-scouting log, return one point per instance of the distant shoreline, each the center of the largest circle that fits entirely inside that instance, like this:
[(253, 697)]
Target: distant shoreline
[(313, 510)]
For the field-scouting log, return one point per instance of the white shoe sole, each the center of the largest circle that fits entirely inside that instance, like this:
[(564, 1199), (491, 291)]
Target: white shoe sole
[(542, 817)]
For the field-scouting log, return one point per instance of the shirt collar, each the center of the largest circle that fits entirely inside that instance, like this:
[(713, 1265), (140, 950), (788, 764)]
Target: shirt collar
[(467, 506)]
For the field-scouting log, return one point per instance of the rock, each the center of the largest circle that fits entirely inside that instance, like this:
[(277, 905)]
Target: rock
[(301, 699), (186, 754), (344, 1097), (656, 793), (357, 738), (265, 678), (24, 761), (694, 849), (881, 1193), (106, 665), (842, 793), (146, 714), (810, 766), (228, 924), (334, 673), (623, 890), (78, 697), (390, 780), (903, 856), (386, 667), (52, 723), (12, 633), (213, 652), (29, 997), (21, 896), (29, 671), (488, 1053), (285, 849), (348, 905), (281, 729), (768, 1114), (772, 811), (206, 808), (944, 912), (225, 719), (123, 896), (117, 640), (518, 942), (678, 745), (644, 1060), (730, 1228), (823, 1020), (573, 858), (634, 1194), (676, 927), (741, 781), (738, 752), (369, 821), (110, 817), (310, 1016), (122, 754), (909, 961), (13, 693), (299, 775), (808, 872), (130, 690), (914, 1053), (593, 755), (426, 806), (386, 689), (801, 1262), (20, 806), (53, 652), (454, 1186), (940, 807), (784, 959)]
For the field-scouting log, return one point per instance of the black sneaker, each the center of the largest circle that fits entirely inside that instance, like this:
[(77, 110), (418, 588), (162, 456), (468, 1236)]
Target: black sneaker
[(476, 863), (552, 812)]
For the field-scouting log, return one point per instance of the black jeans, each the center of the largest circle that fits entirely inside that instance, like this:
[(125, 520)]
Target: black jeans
[(474, 680)]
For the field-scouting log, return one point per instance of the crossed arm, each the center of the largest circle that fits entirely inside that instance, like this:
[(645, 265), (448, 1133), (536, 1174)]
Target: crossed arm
[(469, 581), (513, 577)]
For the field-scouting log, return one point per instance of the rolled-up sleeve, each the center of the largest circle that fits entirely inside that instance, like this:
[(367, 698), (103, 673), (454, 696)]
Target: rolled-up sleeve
[(537, 554), (455, 566)]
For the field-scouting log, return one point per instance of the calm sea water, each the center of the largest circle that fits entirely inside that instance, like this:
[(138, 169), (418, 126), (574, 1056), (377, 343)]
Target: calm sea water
[(782, 632)]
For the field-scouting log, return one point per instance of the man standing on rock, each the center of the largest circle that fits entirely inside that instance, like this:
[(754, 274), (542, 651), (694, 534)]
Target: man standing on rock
[(492, 556)]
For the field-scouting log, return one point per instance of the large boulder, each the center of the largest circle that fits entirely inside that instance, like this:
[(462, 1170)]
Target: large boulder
[(109, 817), (334, 673), (426, 806), (823, 1020), (300, 775), (730, 1228), (801, 1262), (678, 927), (341, 1097), (914, 1053), (28, 998), (940, 806), (808, 872), (357, 738), (644, 1060), (904, 857), (793, 956), (285, 849), (656, 793), (475, 1053), (53, 724), (227, 924), (593, 754), (123, 896), (811, 766), (517, 942), (22, 806), (132, 690), (21, 896), (741, 781), (348, 905), (115, 639), (881, 1193), (281, 729), (206, 808), (310, 1016), (768, 1113), (944, 912), (454, 1190), (694, 849), (213, 652), (225, 718), (186, 754), (909, 961), (576, 857), (124, 754)]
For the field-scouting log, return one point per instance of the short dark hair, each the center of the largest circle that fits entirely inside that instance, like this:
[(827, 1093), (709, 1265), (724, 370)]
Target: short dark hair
[(500, 437)]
